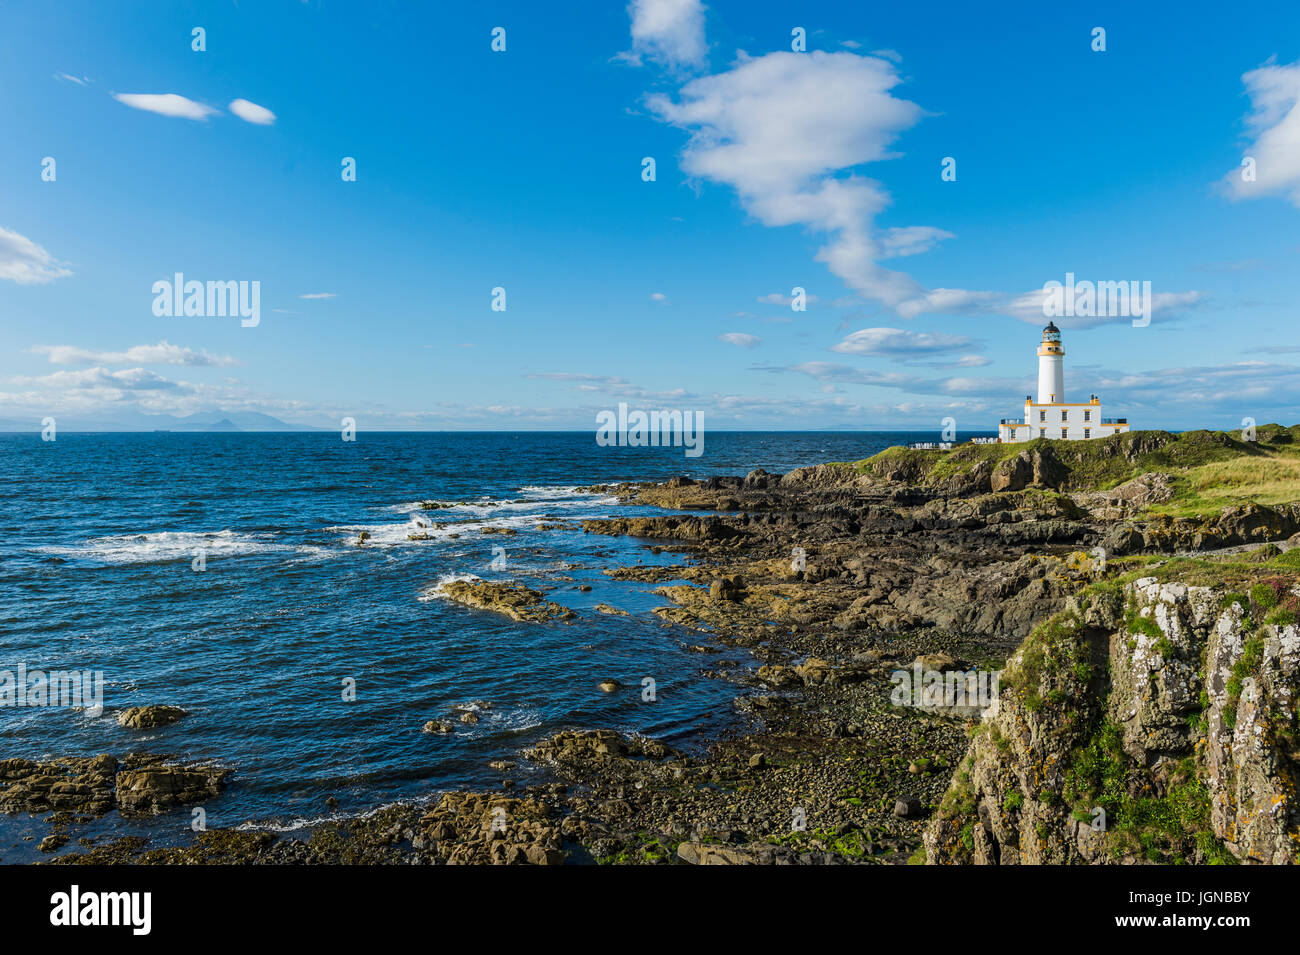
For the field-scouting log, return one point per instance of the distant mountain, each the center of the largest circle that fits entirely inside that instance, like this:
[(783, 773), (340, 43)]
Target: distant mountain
[(139, 421)]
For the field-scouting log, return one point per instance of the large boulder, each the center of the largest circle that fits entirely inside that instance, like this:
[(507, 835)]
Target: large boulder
[(150, 717), (150, 786), (1013, 474)]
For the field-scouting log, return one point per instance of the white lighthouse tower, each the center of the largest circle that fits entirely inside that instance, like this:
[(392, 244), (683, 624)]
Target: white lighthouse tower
[(1051, 416), (1051, 367)]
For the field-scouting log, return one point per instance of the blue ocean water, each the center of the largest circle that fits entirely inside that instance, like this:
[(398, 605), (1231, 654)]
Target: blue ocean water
[(99, 534)]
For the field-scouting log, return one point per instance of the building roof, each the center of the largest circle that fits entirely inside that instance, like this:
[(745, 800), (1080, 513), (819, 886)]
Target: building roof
[(1051, 327)]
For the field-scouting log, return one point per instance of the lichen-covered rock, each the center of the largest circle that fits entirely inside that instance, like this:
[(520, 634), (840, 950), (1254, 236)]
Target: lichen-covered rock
[(513, 600), (80, 784), (148, 785), (150, 717), (482, 828)]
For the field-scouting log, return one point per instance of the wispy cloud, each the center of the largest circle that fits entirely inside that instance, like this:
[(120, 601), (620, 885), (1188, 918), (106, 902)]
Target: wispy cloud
[(900, 343), (740, 338), (68, 77), (1274, 121), (27, 263), (162, 353), (776, 298), (316, 295), (166, 104)]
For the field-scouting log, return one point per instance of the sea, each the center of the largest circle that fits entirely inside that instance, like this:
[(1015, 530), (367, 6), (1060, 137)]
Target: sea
[(222, 573)]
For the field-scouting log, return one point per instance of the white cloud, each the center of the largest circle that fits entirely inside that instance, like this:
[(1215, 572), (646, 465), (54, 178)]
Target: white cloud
[(165, 104), (112, 383), (79, 80), (776, 298), (251, 112), (658, 297), (1275, 122), (740, 338), (315, 295), (911, 240), (899, 342), (945, 300), (162, 353), (25, 262), (668, 32), (779, 128)]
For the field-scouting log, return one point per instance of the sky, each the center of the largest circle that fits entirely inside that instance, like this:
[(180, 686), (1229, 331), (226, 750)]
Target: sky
[(795, 146)]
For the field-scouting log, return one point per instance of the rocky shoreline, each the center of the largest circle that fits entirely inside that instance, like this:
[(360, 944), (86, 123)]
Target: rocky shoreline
[(833, 580)]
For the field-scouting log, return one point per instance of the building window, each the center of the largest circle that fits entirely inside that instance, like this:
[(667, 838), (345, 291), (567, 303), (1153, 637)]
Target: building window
[(1042, 416), (1063, 432), (1065, 415), (1087, 414), (1087, 433), (1042, 432)]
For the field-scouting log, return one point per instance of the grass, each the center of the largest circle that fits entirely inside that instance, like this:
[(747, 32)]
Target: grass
[(1208, 488), (1170, 828), (1211, 469)]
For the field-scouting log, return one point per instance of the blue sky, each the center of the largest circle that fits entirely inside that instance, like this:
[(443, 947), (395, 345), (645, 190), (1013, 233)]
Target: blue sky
[(522, 169)]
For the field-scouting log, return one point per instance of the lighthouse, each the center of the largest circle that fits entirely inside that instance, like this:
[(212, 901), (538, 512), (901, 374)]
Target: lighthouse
[(1051, 367), (1051, 416)]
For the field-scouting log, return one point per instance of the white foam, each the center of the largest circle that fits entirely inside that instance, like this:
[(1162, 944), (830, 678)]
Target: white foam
[(435, 591), (535, 498), (168, 545)]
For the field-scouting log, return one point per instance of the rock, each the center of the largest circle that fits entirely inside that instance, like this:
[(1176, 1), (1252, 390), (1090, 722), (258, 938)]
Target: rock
[(777, 675), (907, 807), (941, 662), (612, 611), (513, 600), (1181, 717), (439, 726), (1155, 487), (608, 686), (584, 588), (677, 528), (78, 784), (53, 842), (469, 717), (757, 761), (155, 786), (697, 853), (150, 717), (814, 671), (1013, 474), (727, 588)]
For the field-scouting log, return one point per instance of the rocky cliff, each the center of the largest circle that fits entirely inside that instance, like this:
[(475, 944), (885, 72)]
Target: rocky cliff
[(1150, 721)]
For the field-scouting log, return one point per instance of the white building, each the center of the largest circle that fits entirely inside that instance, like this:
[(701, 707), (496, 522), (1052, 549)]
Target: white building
[(1051, 416)]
